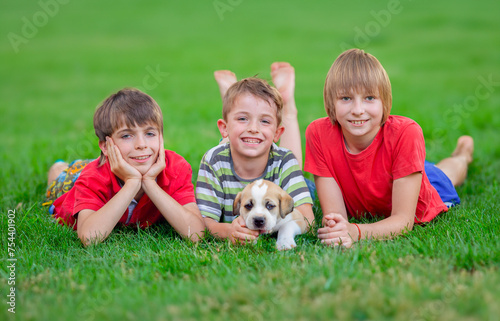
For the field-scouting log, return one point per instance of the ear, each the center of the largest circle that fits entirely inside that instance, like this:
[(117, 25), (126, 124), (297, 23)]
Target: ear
[(279, 132), (286, 204), (222, 125), (237, 204), (103, 147)]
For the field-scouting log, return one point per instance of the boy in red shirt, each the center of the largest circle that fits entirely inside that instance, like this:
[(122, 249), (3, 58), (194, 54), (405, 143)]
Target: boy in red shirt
[(134, 182), (366, 161)]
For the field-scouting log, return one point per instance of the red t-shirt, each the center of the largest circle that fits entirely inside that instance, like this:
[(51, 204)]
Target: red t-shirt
[(366, 179), (97, 185)]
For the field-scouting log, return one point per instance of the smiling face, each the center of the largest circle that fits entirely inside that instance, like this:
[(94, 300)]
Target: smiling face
[(138, 145), (125, 108), (360, 116), (251, 126), (355, 71)]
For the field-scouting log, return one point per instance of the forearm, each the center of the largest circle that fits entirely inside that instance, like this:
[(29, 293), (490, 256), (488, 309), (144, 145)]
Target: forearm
[(404, 203), (307, 212), (95, 226), (186, 220), (217, 229), (384, 229)]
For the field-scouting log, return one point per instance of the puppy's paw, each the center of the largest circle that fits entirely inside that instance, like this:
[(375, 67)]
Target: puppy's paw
[(285, 244)]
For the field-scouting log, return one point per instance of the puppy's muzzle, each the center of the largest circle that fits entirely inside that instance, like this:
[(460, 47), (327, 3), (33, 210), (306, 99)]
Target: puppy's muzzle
[(259, 222)]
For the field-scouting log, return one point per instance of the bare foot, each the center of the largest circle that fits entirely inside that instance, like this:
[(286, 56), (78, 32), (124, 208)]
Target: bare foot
[(224, 78), (54, 171), (283, 75), (465, 148)]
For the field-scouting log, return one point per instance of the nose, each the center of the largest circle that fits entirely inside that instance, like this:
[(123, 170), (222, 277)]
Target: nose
[(253, 127), (358, 108), (259, 222), (140, 142)]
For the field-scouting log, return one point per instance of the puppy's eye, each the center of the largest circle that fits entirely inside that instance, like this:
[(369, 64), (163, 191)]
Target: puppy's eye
[(249, 206), (270, 206)]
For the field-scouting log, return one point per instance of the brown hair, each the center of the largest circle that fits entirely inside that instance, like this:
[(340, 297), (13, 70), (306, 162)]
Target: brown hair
[(129, 107), (255, 87), (355, 71)]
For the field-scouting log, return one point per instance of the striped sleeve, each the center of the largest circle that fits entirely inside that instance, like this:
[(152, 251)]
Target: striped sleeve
[(216, 186), (209, 194)]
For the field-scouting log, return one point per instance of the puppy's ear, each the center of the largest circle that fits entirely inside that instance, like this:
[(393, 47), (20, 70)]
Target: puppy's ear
[(286, 204), (237, 204)]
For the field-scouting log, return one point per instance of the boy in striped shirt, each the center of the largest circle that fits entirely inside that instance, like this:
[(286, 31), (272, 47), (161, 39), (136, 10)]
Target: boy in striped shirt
[(252, 114)]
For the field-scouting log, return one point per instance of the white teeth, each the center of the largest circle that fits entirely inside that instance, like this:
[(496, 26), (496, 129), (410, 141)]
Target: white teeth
[(140, 157), (251, 141), (358, 122)]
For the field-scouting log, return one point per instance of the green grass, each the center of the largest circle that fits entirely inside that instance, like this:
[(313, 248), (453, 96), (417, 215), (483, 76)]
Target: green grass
[(438, 56)]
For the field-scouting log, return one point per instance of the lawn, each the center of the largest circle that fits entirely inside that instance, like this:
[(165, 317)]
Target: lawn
[(60, 59)]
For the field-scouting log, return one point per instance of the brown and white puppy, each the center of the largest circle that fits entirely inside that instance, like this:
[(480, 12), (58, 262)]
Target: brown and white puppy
[(267, 207)]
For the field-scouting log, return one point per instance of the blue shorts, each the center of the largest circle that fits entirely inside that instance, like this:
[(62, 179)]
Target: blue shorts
[(442, 184), (312, 188)]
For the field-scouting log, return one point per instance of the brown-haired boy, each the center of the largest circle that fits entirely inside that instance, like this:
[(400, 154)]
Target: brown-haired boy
[(252, 112), (135, 180)]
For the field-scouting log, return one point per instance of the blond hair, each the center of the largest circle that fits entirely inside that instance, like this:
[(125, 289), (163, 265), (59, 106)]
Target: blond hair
[(357, 71), (129, 107), (257, 88)]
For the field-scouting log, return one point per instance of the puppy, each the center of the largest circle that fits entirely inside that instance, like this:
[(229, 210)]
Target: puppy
[(267, 207)]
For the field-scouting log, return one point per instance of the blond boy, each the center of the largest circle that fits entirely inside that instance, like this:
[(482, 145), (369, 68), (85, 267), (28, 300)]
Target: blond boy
[(368, 162)]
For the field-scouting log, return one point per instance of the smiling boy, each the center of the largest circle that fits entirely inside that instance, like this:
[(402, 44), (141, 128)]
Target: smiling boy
[(134, 182), (368, 162), (252, 112)]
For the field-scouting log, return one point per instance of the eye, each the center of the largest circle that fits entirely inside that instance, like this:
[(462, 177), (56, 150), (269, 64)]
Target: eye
[(125, 136), (345, 98), (265, 121), (370, 98), (241, 118), (151, 134), (270, 206), (249, 206)]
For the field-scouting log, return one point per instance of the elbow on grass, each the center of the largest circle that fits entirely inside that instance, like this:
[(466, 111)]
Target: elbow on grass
[(404, 230), (88, 239), (195, 237)]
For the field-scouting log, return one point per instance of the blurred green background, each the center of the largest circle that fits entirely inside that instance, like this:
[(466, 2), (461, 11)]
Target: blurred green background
[(60, 58)]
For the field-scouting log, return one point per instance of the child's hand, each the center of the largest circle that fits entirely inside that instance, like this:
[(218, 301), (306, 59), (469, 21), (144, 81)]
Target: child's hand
[(240, 233), (158, 166), (119, 166), (335, 231)]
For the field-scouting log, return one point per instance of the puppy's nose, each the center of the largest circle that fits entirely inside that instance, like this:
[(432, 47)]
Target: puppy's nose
[(259, 222)]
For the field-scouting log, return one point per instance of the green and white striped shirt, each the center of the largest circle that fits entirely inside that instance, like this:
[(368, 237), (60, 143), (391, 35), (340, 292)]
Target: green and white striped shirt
[(218, 184)]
